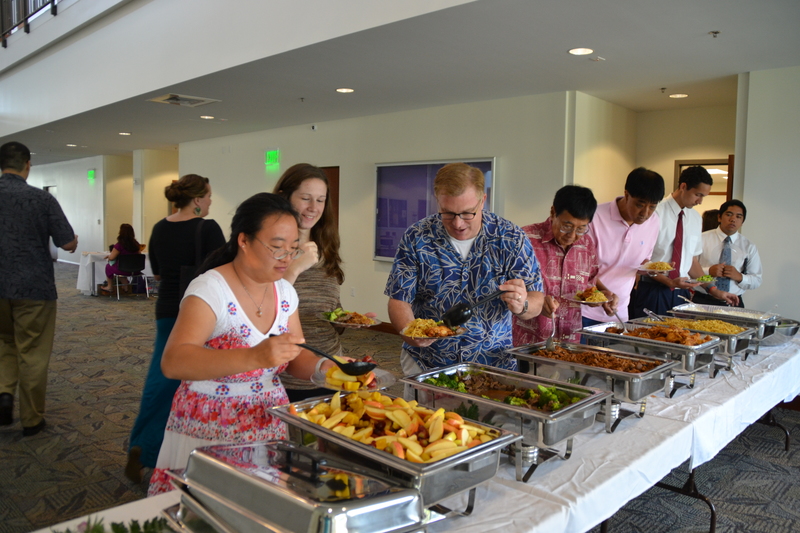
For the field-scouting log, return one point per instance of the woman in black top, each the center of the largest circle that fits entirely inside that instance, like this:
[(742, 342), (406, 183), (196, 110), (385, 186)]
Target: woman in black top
[(176, 243)]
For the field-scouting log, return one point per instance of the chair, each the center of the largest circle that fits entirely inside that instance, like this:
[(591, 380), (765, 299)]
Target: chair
[(132, 265)]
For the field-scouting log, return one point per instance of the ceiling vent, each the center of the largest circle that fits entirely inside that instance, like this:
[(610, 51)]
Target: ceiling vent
[(182, 100)]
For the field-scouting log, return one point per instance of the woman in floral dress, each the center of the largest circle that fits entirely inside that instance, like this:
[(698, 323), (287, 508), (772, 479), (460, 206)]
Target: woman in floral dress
[(242, 305)]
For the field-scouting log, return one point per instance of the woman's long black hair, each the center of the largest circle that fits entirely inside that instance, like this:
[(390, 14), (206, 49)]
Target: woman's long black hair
[(249, 219)]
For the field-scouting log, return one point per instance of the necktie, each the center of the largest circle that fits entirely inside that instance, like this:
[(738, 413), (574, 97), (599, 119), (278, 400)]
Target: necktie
[(724, 284), (677, 247)]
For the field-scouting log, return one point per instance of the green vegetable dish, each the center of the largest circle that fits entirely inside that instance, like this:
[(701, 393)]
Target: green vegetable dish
[(705, 279), (547, 399)]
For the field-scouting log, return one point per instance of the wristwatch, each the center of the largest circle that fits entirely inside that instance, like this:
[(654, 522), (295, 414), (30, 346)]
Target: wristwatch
[(524, 308)]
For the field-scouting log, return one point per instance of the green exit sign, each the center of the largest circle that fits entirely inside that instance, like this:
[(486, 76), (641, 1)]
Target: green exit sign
[(272, 157), (90, 175)]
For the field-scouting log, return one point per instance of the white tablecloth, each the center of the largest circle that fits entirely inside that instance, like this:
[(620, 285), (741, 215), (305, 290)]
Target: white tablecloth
[(605, 470), (95, 263), (720, 408)]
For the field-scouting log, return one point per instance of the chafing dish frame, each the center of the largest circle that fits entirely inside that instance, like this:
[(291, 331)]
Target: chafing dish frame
[(764, 326), (693, 358), (627, 387), (543, 427), (435, 481), (217, 509), (731, 345)]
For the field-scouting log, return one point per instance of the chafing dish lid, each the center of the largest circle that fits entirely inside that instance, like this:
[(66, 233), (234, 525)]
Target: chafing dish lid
[(299, 470)]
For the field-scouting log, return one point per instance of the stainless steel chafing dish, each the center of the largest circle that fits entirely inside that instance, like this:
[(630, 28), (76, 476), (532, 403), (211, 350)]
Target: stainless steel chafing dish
[(631, 387), (280, 487), (731, 344), (764, 323), (540, 430), (434, 481), (692, 358)]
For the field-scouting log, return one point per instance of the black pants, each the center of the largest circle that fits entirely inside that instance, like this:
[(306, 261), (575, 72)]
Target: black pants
[(705, 299), (654, 296)]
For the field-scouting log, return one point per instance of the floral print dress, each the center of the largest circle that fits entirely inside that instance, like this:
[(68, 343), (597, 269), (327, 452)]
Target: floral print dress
[(233, 409)]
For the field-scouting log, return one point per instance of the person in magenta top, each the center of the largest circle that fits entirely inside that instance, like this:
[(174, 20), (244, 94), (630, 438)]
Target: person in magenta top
[(126, 245), (568, 259), (625, 232)]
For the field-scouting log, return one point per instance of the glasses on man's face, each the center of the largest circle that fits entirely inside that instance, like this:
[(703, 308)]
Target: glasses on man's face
[(280, 253), (467, 215), (569, 228)]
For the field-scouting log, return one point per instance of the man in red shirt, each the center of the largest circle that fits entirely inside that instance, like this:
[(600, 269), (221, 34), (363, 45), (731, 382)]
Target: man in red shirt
[(568, 259)]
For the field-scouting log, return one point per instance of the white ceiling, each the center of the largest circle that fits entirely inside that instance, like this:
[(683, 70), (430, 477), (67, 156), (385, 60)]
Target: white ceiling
[(483, 50)]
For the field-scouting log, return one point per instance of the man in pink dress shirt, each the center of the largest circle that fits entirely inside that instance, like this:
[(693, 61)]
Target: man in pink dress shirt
[(625, 231), (568, 261)]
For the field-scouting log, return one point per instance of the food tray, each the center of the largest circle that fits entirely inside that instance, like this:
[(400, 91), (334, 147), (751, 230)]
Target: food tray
[(434, 481), (692, 358), (785, 331), (537, 428), (627, 386), (763, 323), (732, 343), (280, 486)]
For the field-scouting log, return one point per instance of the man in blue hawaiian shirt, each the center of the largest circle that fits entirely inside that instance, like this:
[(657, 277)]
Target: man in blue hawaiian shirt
[(459, 255)]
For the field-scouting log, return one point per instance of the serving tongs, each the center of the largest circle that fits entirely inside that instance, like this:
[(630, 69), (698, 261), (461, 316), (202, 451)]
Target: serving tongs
[(461, 312), (652, 315)]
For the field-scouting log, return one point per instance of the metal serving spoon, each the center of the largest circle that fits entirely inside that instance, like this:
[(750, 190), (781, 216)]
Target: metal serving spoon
[(354, 368), (461, 312), (621, 323)]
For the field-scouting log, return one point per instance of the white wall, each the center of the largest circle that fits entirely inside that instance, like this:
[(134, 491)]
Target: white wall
[(605, 146), (118, 178), (206, 35), (80, 198), (526, 135), (772, 187)]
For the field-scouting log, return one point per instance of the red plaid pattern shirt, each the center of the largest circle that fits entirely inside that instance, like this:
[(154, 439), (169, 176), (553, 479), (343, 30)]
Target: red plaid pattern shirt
[(563, 274)]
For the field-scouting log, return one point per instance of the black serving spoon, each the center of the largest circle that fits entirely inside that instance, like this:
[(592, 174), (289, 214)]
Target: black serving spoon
[(461, 312), (354, 368)]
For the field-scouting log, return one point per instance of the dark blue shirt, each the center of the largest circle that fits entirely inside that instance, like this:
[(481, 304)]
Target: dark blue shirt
[(29, 217)]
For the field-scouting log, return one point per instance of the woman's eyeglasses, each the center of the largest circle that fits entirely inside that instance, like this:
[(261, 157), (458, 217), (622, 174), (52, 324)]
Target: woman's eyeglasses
[(280, 253)]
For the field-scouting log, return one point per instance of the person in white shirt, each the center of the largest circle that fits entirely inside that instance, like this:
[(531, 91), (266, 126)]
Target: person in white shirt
[(740, 270), (661, 292)]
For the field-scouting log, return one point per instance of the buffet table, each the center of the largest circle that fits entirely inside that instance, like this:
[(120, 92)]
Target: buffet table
[(606, 470), (88, 275)]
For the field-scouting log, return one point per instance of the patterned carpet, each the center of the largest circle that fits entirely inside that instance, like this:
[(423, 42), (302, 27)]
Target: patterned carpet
[(102, 349)]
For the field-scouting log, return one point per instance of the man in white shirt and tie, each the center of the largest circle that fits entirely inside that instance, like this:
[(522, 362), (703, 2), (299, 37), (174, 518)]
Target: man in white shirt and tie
[(678, 243), (729, 256)]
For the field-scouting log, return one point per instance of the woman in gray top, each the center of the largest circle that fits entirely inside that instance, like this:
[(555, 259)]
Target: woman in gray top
[(317, 274)]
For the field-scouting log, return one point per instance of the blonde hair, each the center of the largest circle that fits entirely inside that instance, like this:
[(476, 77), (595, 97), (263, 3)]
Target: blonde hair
[(454, 178)]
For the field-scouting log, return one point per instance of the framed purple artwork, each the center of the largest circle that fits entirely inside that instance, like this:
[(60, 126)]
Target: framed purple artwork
[(405, 195)]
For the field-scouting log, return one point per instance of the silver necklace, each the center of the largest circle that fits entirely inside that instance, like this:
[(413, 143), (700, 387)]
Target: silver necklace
[(258, 306)]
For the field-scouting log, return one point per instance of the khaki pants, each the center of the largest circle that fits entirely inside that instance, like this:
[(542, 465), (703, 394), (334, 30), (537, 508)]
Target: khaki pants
[(27, 328)]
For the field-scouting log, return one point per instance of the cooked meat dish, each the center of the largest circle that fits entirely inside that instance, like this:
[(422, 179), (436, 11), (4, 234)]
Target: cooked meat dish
[(671, 334), (600, 360)]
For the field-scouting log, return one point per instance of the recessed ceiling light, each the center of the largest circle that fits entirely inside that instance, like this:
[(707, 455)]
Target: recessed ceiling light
[(679, 95), (72, 145), (125, 133), (344, 90), (581, 51), (206, 117)]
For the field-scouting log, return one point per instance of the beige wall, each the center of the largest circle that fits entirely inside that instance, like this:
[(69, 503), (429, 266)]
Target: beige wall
[(118, 177), (80, 199), (526, 135), (772, 187), (605, 146), (698, 133), (153, 170)]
